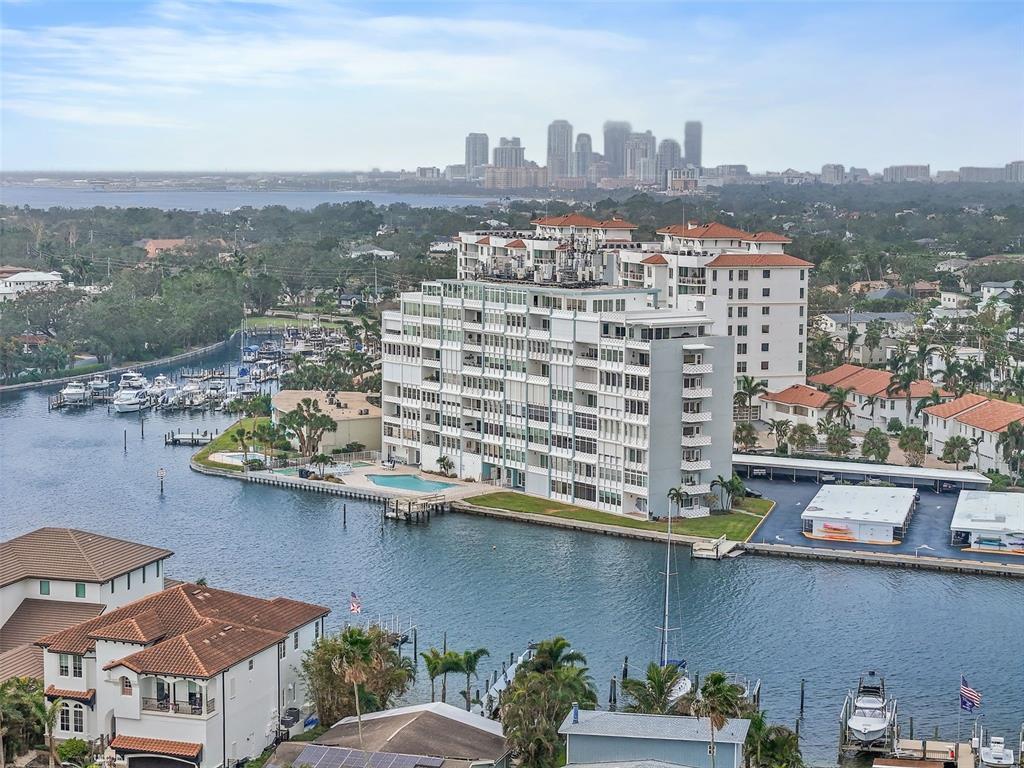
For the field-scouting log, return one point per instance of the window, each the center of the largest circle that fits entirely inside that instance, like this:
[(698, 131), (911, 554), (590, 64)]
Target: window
[(764, 365), (64, 664), (129, 577), (741, 311), (251, 664), (295, 640), (768, 292), (158, 569), (65, 717), (801, 293), (766, 310), (742, 274), (742, 293), (79, 589), (766, 273), (741, 366), (741, 330), (143, 574), (801, 274), (79, 712), (280, 650), (76, 666), (112, 585), (316, 627), (126, 686), (765, 329), (764, 346), (44, 587), (741, 349), (231, 687)]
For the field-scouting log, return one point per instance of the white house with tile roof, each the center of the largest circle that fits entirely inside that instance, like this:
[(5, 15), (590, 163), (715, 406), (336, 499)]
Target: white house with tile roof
[(977, 418)]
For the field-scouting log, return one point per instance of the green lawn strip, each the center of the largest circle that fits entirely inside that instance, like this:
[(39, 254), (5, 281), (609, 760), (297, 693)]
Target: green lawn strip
[(225, 442), (733, 526), (284, 322), (759, 507)]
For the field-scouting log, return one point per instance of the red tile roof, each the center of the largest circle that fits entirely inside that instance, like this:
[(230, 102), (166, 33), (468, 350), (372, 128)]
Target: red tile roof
[(953, 407), (758, 260), (206, 630), (515, 244), (579, 220), (139, 744), (617, 223), (993, 416), (712, 231), (86, 697), (656, 258), (833, 377), (66, 554), (871, 381), (798, 394), (484, 241), (770, 237)]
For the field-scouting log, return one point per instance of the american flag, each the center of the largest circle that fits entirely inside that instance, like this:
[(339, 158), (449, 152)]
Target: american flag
[(354, 604), (969, 698)]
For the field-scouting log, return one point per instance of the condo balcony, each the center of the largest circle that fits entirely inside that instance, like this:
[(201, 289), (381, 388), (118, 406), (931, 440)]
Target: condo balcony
[(194, 707), (695, 369), (696, 417), (694, 466), (696, 393), (696, 489), (694, 441)]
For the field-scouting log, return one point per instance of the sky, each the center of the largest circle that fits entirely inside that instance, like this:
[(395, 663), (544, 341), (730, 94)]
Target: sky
[(323, 85)]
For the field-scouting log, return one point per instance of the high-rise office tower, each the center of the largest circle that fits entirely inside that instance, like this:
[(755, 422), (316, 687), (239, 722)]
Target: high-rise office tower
[(559, 149), (581, 156), (476, 155), (639, 156), (670, 156), (615, 134), (510, 153), (692, 142)]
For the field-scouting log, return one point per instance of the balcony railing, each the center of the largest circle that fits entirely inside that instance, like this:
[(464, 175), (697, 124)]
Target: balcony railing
[(694, 466), (195, 707), (695, 418), (694, 441), (694, 369)]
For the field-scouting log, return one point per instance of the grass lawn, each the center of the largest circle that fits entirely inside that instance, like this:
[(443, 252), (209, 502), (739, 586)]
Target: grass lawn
[(759, 507), (223, 442), (735, 526), (284, 322)]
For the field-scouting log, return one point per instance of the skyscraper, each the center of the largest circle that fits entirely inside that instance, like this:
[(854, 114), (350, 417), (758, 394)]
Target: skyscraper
[(639, 156), (615, 134), (559, 149), (581, 156), (476, 155), (509, 153), (692, 142), (669, 156)]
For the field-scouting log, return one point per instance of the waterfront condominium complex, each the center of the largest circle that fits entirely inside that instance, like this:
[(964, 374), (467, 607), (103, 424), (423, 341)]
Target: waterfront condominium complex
[(568, 389)]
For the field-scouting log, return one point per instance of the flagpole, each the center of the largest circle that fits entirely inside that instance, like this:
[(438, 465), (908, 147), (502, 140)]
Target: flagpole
[(959, 707)]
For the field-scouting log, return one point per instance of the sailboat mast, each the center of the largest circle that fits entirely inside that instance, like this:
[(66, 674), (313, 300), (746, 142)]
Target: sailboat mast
[(668, 572)]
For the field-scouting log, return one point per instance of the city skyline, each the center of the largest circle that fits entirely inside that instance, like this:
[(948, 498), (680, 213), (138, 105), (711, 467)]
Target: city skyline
[(313, 85)]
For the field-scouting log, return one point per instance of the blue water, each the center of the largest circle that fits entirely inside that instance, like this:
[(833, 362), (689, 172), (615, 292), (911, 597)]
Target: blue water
[(217, 199), (409, 483), (500, 584)]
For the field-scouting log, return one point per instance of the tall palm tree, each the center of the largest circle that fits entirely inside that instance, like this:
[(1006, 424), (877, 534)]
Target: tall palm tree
[(780, 428), (432, 658), (756, 734), (870, 401), (747, 388), (976, 449), (554, 654), (837, 404), (1011, 445), (722, 484), (781, 747), (718, 701), (353, 664), (900, 385), (934, 398), (652, 694), (676, 496), (468, 662), (47, 713)]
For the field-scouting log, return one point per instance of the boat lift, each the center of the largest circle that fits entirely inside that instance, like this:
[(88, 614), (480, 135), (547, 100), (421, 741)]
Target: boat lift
[(884, 745)]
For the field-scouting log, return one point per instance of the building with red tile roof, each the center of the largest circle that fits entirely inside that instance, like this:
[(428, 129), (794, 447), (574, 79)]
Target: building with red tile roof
[(980, 420), (758, 260), (798, 403)]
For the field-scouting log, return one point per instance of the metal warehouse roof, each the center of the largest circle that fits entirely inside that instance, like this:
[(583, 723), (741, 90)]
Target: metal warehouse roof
[(635, 726)]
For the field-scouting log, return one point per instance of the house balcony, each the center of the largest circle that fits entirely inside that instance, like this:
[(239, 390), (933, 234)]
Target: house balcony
[(694, 466), (699, 417), (696, 369), (196, 706), (694, 441), (696, 489), (696, 393)]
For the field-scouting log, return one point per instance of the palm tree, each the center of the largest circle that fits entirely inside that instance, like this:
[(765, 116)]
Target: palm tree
[(321, 460), (48, 714), (780, 428), (837, 403), (722, 484), (1011, 445), (956, 450), (756, 734), (242, 437), (802, 437), (354, 664), (676, 496), (555, 654), (851, 338), (745, 436), (718, 701), (445, 464), (900, 385), (870, 401), (652, 695), (933, 398), (433, 660), (976, 448), (781, 747), (747, 388), (468, 662)]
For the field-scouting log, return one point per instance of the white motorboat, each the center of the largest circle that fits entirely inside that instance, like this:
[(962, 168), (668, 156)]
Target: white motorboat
[(160, 385), (74, 392), (871, 712), (133, 380), (99, 383), (130, 400), (996, 753)]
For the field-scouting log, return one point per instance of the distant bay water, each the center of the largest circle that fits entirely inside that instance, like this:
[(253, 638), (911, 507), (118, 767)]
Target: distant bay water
[(218, 199)]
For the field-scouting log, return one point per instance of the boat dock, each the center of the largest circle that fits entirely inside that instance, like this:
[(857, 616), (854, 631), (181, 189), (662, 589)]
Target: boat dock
[(715, 549), (907, 750), (416, 510), (490, 703), (189, 438)]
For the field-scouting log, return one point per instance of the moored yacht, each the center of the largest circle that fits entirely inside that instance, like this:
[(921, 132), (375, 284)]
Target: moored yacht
[(133, 380), (99, 384), (996, 755), (160, 385), (870, 712), (74, 392), (130, 400)]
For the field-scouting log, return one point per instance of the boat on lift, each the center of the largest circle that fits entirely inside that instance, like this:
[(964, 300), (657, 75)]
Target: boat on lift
[(872, 711), (99, 384), (74, 393), (996, 754), (161, 384)]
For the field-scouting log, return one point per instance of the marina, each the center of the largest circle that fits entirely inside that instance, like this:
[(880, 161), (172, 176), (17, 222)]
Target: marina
[(482, 581)]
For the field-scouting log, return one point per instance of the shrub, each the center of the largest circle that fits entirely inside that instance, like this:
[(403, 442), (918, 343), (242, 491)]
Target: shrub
[(73, 751), (894, 427)]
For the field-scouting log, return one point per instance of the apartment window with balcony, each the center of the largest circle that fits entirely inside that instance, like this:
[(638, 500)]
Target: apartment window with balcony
[(80, 590), (126, 686), (44, 587), (741, 349), (741, 366), (742, 293), (766, 292)]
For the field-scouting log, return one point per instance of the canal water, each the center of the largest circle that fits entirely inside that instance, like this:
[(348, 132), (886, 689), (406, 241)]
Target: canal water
[(501, 585)]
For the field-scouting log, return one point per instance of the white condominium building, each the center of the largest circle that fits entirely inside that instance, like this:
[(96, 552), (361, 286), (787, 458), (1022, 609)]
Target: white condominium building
[(577, 391), (745, 283)]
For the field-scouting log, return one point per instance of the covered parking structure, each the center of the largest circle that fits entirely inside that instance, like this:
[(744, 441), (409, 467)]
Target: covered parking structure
[(820, 471), (992, 522)]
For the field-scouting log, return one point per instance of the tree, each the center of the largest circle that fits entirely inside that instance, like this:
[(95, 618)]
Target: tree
[(851, 339), (957, 450), (902, 381), (933, 398), (446, 465), (652, 695), (745, 436), (467, 665), (747, 388), (729, 489), (676, 496), (780, 429), (838, 441), (242, 437), (48, 712), (837, 404), (913, 443), (321, 461), (802, 437), (74, 751), (433, 659), (353, 663), (554, 654), (1010, 444), (781, 748), (718, 701), (875, 445), (870, 402), (307, 423), (21, 727)]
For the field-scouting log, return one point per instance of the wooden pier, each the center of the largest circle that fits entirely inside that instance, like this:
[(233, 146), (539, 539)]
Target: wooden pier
[(189, 438), (414, 511)]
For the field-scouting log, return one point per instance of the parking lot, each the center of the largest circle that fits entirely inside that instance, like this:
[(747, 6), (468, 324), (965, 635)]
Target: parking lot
[(927, 533)]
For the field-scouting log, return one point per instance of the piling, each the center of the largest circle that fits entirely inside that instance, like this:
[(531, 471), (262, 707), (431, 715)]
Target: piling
[(802, 684), (415, 646), (911, 726), (344, 513), (126, 441)]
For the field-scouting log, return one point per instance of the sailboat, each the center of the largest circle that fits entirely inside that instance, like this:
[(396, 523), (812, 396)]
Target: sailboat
[(683, 685)]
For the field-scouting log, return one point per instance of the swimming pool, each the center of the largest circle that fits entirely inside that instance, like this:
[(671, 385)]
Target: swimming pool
[(409, 483)]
